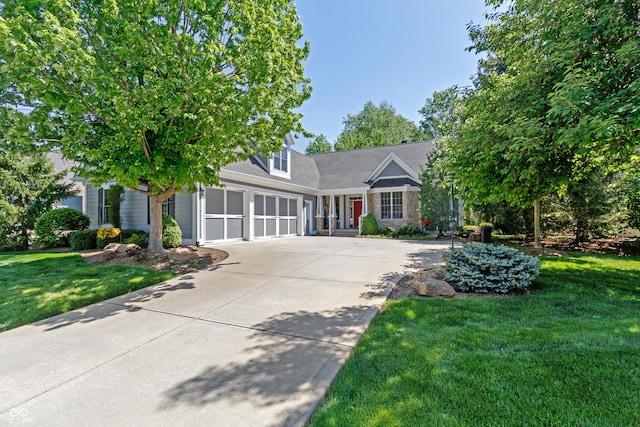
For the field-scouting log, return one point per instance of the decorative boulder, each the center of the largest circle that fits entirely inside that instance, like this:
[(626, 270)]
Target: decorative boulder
[(128, 248), (111, 247), (182, 255), (428, 287)]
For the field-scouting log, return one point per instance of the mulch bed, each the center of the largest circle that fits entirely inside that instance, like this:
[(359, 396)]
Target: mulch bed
[(207, 258)]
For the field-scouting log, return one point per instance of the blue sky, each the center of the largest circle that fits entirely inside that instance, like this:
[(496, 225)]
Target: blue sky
[(400, 51)]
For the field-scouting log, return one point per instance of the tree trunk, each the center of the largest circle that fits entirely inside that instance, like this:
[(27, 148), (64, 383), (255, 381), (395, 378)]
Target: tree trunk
[(155, 224), (536, 224)]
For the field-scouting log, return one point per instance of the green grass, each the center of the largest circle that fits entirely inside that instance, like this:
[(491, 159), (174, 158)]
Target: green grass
[(34, 286), (567, 353)]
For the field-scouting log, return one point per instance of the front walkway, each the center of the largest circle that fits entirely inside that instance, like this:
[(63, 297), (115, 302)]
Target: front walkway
[(253, 342)]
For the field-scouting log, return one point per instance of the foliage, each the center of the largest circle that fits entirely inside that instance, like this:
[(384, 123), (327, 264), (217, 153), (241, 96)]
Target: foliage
[(407, 230), (570, 347), (155, 96), (477, 267), (631, 190), (108, 233), (556, 96), (39, 285), (587, 201), (171, 232), (506, 218), (320, 144), (435, 192), (369, 225), (442, 114), (376, 126), (28, 188), (388, 231), (83, 239), (52, 228), (115, 197), (121, 237), (139, 239)]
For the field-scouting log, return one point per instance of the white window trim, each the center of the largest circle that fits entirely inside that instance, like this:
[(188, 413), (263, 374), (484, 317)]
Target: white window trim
[(277, 172), (391, 205)]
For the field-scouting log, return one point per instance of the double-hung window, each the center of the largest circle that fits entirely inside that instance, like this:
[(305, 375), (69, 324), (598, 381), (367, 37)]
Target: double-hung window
[(281, 160), (103, 206), (391, 205)]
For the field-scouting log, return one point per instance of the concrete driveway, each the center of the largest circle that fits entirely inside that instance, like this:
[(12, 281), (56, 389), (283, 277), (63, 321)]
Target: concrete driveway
[(255, 341)]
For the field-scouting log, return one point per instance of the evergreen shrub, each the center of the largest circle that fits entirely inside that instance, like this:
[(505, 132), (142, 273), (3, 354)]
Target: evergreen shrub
[(408, 230), (478, 267), (171, 233), (369, 225), (53, 227), (83, 239)]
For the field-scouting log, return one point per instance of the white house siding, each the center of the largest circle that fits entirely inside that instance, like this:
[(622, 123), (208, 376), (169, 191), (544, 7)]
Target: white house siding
[(184, 214), (134, 212), (91, 195)]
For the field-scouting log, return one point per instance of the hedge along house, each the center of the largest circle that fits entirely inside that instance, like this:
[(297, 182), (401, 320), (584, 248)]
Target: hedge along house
[(288, 194)]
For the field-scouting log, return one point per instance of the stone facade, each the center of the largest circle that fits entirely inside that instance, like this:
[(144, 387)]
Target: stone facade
[(411, 211)]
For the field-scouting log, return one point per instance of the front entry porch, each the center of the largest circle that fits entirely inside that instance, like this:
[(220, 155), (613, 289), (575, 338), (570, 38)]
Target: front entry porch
[(340, 214)]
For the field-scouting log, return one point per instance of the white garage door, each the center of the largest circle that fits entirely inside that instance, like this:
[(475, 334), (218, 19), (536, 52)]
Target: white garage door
[(224, 215), (275, 216)]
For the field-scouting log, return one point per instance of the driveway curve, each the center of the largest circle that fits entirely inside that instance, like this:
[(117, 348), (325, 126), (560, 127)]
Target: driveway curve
[(254, 341)]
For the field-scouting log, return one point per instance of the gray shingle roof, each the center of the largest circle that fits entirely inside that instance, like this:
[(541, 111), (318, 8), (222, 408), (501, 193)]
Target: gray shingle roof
[(349, 169), (304, 171), (339, 169)]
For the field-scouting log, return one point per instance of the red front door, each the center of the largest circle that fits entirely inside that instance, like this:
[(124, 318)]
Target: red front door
[(357, 211)]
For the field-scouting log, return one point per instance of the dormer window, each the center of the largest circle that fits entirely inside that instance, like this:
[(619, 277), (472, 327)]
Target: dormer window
[(281, 160), (280, 164)]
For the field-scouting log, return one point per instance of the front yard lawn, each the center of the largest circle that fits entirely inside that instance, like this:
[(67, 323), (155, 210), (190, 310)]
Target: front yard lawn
[(567, 353), (34, 286)]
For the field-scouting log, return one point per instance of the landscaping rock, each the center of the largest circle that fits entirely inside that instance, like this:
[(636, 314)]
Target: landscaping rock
[(434, 288), (182, 255), (111, 247), (129, 247)]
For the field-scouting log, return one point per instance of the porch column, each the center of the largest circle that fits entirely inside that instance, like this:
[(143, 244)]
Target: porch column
[(332, 213), (365, 211), (319, 214)]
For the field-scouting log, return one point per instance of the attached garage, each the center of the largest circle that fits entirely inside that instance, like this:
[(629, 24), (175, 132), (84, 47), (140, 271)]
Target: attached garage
[(224, 215), (275, 216)]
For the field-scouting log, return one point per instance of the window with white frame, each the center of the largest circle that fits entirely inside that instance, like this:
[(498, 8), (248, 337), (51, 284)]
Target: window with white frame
[(281, 160), (103, 206), (391, 205)]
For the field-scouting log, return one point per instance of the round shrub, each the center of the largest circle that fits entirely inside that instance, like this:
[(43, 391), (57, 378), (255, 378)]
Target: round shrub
[(369, 225), (477, 267), (171, 233), (83, 239), (139, 239), (53, 227)]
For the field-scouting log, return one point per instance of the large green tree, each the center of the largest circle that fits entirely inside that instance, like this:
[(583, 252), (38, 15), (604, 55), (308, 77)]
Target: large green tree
[(157, 95), (557, 96), (376, 126)]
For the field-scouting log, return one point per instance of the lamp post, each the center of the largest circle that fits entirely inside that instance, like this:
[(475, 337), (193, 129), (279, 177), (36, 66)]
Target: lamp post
[(452, 218)]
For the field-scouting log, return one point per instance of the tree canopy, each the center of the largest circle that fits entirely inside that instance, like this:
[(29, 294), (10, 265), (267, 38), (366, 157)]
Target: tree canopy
[(156, 95), (557, 95), (376, 126), (442, 113), (320, 144)]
